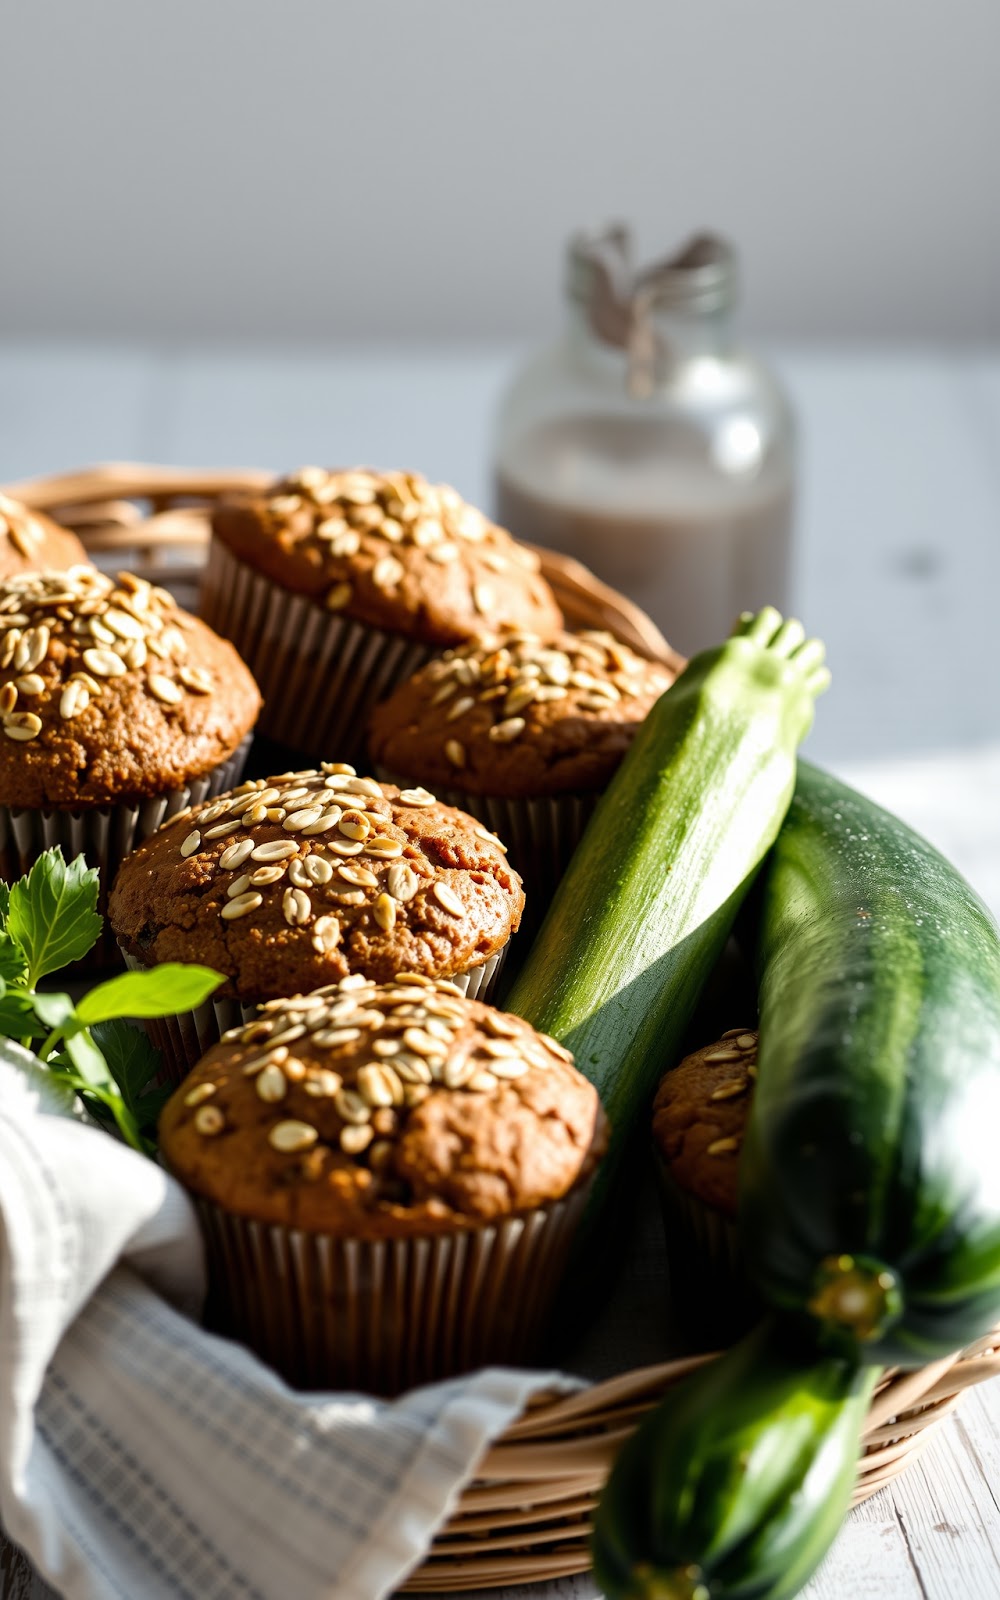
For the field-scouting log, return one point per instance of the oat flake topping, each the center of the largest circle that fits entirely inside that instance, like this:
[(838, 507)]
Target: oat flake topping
[(591, 672), (416, 1039), (396, 509), (339, 849), (91, 629)]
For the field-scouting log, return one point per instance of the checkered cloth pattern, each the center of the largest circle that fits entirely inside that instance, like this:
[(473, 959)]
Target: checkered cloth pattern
[(139, 1455)]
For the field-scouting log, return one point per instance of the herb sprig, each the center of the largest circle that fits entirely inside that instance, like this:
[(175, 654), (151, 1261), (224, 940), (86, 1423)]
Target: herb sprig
[(49, 919)]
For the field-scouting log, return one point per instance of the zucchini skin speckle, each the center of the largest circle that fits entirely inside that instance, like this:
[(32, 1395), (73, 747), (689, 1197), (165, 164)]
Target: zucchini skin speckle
[(870, 1175), (653, 889)]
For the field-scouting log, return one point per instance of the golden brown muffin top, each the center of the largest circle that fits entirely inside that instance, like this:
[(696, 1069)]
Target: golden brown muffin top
[(30, 541), (390, 550), (369, 1112), (289, 883), (518, 715), (700, 1116), (109, 691)]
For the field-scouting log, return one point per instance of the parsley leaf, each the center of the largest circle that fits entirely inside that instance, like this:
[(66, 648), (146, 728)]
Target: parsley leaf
[(52, 913)]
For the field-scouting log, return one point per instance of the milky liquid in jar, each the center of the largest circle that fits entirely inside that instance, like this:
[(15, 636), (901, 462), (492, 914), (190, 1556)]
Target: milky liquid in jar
[(678, 491)]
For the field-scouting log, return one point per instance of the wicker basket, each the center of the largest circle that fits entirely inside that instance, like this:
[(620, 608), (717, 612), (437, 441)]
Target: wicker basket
[(527, 1515)]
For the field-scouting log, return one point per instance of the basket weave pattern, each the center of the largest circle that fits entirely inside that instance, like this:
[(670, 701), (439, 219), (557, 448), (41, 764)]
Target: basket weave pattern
[(527, 1516)]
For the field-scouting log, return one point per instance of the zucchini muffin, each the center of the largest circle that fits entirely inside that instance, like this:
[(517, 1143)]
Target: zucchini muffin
[(524, 732), (336, 585), (388, 1177), (117, 709), (288, 884), (699, 1119), (32, 542)]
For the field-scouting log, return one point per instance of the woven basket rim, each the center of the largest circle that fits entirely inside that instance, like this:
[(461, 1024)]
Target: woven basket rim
[(526, 1514)]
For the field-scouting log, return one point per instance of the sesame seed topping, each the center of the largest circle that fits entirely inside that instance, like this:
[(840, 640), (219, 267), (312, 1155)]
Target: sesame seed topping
[(455, 751), (271, 1084), (291, 1136), (209, 1120), (447, 899), (241, 906), (200, 1092), (731, 1089)]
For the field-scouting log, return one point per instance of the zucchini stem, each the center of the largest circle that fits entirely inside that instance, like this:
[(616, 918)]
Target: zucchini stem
[(856, 1295)]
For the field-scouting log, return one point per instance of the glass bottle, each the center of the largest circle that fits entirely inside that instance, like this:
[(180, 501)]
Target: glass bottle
[(649, 444)]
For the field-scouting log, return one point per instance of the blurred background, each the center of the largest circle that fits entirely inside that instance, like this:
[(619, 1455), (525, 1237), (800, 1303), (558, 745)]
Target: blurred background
[(239, 232)]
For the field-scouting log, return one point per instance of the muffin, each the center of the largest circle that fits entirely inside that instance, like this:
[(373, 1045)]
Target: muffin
[(288, 884), (523, 732), (30, 541), (117, 709), (388, 1177), (699, 1119), (336, 585)]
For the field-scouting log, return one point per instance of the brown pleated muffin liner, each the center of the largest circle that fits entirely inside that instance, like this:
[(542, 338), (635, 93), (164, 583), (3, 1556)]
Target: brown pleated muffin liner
[(105, 835), (183, 1039), (320, 673), (540, 834), (711, 1301), (384, 1315)]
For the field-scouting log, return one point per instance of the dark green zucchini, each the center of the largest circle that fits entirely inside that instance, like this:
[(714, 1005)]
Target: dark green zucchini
[(735, 1486), (870, 1176), (653, 889)]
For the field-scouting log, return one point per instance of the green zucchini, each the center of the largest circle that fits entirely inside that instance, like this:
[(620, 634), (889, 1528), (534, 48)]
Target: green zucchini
[(654, 886), (870, 1182), (735, 1486)]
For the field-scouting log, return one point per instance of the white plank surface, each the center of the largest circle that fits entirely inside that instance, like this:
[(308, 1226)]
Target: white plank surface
[(898, 569)]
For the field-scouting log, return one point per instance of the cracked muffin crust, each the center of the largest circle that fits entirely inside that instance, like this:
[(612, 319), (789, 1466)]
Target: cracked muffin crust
[(700, 1116), (290, 883), (516, 715), (110, 692), (389, 550), (31, 541), (370, 1111)]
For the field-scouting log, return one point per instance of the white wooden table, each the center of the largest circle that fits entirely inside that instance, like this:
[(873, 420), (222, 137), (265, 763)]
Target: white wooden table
[(898, 570)]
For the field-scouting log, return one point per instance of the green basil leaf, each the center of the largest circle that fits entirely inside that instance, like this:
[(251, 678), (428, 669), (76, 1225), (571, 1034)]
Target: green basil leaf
[(13, 965), (132, 1061), (4, 904), (17, 1017), (53, 913), (87, 1059), (52, 1009), (147, 1108), (158, 992)]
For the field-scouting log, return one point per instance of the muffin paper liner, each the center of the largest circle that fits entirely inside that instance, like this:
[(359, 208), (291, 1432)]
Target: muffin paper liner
[(183, 1039), (710, 1296), (383, 1315), (106, 835), (540, 834), (320, 673)]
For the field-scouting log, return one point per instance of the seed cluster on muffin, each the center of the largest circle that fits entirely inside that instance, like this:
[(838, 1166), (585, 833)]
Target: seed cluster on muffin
[(519, 714), (390, 550), (287, 883), (700, 1115), (402, 1108), (108, 689), (31, 541)]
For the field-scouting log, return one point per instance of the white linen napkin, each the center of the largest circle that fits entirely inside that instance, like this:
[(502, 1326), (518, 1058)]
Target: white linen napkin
[(141, 1456)]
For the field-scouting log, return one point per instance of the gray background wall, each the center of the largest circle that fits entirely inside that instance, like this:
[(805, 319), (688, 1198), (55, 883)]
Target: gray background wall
[(313, 168)]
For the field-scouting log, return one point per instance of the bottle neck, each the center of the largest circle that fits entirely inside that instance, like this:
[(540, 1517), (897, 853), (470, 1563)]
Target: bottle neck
[(669, 340)]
